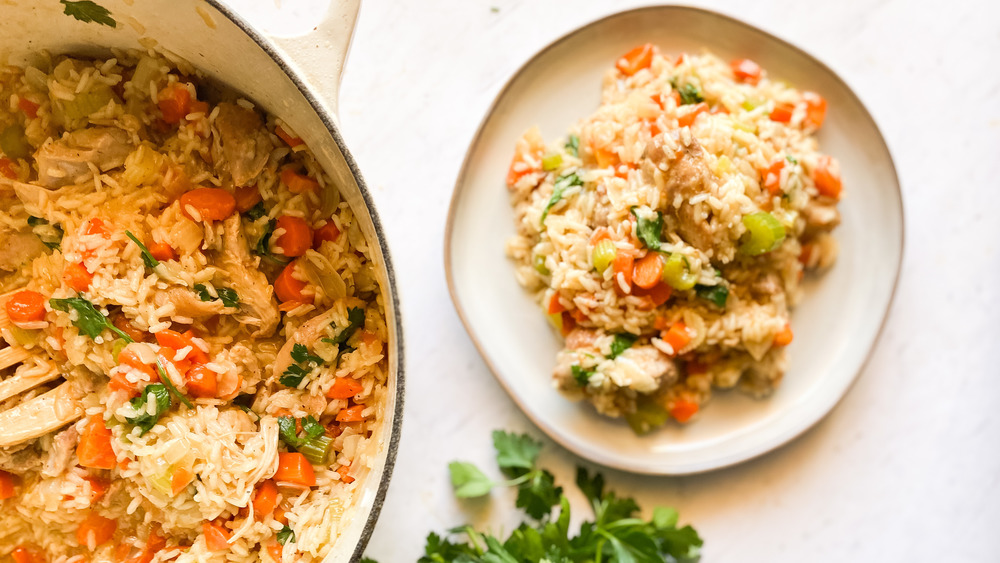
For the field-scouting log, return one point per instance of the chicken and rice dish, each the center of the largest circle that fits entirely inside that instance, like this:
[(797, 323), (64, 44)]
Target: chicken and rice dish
[(666, 237), (194, 341)]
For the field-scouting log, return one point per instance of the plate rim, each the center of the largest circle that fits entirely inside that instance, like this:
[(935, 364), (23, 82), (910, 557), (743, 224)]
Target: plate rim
[(727, 461)]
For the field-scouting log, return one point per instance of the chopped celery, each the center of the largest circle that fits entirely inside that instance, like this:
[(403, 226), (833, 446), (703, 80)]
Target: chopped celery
[(13, 143), (84, 104), (551, 162), (316, 450), (764, 233), (24, 337), (539, 263), (117, 346), (603, 255), (647, 417), (676, 273), (556, 320)]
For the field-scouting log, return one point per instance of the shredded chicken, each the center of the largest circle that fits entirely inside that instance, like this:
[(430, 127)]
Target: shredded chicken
[(188, 304), (68, 160), (242, 145), (258, 307), (18, 249), (820, 216), (307, 334), (63, 447)]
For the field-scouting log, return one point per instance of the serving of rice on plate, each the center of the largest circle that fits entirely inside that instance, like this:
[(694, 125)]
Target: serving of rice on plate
[(666, 237), (209, 300)]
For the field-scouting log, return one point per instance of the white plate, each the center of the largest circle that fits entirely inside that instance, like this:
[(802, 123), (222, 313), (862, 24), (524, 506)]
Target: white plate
[(836, 324)]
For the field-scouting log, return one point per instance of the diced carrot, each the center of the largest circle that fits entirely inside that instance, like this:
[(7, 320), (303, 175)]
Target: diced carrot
[(600, 233), (274, 550), (129, 357), (287, 137), (345, 476), (746, 70), (518, 169), (658, 100), (198, 106), (6, 485), (202, 382), (265, 498), (772, 177), (162, 251), (154, 544), (29, 107), (177, 341), (827, 181), (174, 102), (97, 226), (661, 323), (25, 553), (688, 118), (783, 336), (7, 168), (635, 60), (246, 197), (94, 449), (298, 183), (555, 305), (654, 128), (288, 288), (211, 204), (77, 277), (579, 316), (677, 336), (328, 232), (216, 536), (605, 157), (658, 294), (623, 264), (647, 271), (568, 323), (815, 110), (297, 238), (293, 467), (683, 410), (720, 109), (782, 113), (181, 478), (26, 306), (98, 487), (351, 414), (344, 388), (676, 97), (97, 527), (280, 515), (289, 306)]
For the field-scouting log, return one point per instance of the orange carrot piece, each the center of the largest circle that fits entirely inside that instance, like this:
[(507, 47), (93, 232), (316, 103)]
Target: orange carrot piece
[(98, 487), (605, 157), (216, 536), (94, 449), (297, 238), (97, 527), (746, 71), (683, 410), (293, 467), (181, 478), (6, 485), (288, 288), (772, 177), (688, 118), (677, 336), (25, 553), (130, 358), (246, 197), (351, 414), (162, 251), (174, 102), (280, 515), (29, 107), (289, 139), (26, 306), (212, 204), (555, 305), (635, 60), (827, 181), (298, 183), (783, 336), (265, 498), (344, 388), (77, 277), (568, 323), (782, 113), (647, 271), (623, 264), (176, 341), (202, 382), (274, 550), (658, 294), (7, 168), (328, 232), (815, 110), (344, 471), (600, 233)]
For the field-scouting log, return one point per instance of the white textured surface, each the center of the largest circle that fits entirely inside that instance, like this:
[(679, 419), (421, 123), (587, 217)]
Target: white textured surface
[(906, 468)]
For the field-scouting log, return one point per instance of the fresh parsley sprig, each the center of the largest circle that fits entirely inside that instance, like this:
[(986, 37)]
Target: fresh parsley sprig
[(622, 341), (147, 256), (563, 183), (88, 12), (302, 363), (158, 394), (649, 230), (228, 295)]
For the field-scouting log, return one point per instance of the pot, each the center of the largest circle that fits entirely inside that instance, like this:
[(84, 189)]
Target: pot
[(289, 72)]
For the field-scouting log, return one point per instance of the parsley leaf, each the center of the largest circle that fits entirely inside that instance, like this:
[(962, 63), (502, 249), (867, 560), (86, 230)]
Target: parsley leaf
[(716, 294), (263, 246), (288, 430), (158, 394), (147, 257), (690, 94), (573, 145), (580, 375), (202, 292), (301, 355), (89, 320), (303, 364), (515, 451), (562, 184), (622, 341), (293, 376), (88, 12), (50, 235), (256, 212), (228, 295), (468, 480), (791, 159), (649, 230), (538, 495), (355, 320), (285, 535)]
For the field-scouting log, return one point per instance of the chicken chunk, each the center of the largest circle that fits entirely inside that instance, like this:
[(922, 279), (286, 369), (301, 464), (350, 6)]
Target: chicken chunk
[(58, 457), (68, 160), (18, 249), (258, 306), (242, 145), (188, 304)]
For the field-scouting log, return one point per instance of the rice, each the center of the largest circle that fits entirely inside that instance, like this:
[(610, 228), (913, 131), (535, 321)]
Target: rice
[(275, 334), (667, 235)]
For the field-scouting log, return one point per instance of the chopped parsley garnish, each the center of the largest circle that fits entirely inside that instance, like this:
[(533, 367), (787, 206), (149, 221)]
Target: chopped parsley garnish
[(562, 184), (285, 535), (573, 145), (312, 442), (649, 230), (88, 12), (147, 257), (156, 392), (263, 246), (50, 235), (355, 319), (581, 376), (622, 341), (228, 295), (690, 94), (303, 364), (716, 294), (256, 212), (791, 159)]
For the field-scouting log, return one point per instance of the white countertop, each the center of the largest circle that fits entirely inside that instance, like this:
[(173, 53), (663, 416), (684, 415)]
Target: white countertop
[(906, 468)]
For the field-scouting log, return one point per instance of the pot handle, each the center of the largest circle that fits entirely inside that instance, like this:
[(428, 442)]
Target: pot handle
[(313, 35)]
